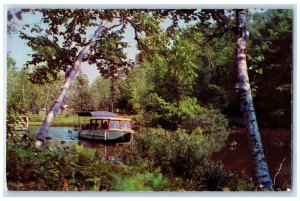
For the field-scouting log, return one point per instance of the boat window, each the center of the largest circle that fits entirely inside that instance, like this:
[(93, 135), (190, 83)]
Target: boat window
[(114, 124), (125, 124)]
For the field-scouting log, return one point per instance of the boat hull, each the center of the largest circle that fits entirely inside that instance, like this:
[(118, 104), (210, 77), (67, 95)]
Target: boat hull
[(105, 135)]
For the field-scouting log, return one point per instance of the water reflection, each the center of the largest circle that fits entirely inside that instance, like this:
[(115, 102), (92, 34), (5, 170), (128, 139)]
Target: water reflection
[(236, 156)]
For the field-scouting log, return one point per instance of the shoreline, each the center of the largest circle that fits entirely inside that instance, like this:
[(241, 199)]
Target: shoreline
[(58, 124)]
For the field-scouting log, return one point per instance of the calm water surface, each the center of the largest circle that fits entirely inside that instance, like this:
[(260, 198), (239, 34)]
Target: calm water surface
[(277, 149), (68, 135)]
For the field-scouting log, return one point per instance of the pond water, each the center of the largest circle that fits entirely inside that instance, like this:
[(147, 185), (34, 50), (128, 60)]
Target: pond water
[(68, 135), (235, 156)]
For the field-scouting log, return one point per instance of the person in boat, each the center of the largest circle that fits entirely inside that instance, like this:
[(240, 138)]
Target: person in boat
[(91, 126), (104, 125), (96, 126)]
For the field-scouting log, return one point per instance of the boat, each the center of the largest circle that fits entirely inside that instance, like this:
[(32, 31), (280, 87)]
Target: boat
[(104, 126)]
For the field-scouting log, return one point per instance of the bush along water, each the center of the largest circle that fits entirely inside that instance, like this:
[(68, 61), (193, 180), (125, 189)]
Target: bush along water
[(157, 160), (180, 145), (74, 168), (184, 159)]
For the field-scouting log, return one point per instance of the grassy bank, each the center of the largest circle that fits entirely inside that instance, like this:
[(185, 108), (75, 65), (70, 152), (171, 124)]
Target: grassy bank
[(63, 119)]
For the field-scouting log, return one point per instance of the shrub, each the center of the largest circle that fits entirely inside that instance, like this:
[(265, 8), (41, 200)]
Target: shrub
[(137, 178), (187, 115), (181, 155), (74, 168), (54, 168), (25, 165), (158, 112), (176, 153)]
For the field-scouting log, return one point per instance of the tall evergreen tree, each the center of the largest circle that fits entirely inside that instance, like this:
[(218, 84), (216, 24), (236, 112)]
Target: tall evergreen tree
[(80, 96)]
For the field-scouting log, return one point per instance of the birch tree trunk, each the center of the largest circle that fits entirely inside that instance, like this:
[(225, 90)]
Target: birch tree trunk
[(65, 89), (261, 168)]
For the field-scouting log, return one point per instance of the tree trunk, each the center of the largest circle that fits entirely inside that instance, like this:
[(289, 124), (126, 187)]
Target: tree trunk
[(261, 168), (24, 109), (112, 92), (65, 89), (47, 98)]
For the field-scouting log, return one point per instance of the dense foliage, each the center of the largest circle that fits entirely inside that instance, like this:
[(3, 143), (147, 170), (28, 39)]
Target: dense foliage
[(80, 95), (24, 96), (271, 63), (179, 166), (180, 93)]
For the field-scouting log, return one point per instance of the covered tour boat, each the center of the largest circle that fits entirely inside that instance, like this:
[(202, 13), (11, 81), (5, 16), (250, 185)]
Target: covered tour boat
[(104, 126)]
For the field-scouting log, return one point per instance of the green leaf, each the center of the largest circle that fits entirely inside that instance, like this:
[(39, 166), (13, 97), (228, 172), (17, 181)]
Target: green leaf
[(259, 71)]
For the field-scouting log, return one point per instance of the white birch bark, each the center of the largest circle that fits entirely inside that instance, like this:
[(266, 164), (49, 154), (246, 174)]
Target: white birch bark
[(261, 169), (65, 89)]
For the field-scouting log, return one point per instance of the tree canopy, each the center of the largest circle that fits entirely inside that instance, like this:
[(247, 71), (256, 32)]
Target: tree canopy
[(184, 52)]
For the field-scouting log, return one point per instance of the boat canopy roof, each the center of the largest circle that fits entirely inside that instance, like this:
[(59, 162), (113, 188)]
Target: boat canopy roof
[(102, 115), (112, 118), (97, 114)]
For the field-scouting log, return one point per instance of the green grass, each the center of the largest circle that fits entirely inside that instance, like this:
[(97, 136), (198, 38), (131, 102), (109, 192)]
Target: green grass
[(62, 119)]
